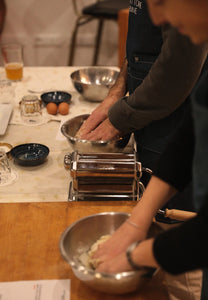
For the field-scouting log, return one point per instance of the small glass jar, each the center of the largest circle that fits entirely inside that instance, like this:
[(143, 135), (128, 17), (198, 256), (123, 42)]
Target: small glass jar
[(31, 109)]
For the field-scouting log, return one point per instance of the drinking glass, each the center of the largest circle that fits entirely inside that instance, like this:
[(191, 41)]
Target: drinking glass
[(5, 170), (6, 92), (13, 61)]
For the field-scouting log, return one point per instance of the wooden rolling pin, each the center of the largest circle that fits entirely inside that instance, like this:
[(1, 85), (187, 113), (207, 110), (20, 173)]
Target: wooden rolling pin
[(176, 214)]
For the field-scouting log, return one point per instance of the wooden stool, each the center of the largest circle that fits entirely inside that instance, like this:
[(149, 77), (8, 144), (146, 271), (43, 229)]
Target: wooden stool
[(123, 17)]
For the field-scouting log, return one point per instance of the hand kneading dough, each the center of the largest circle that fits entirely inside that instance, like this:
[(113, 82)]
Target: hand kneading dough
[(86, 258)]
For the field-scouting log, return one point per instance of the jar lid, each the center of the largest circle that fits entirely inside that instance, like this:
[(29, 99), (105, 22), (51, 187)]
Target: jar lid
[(29, 98)]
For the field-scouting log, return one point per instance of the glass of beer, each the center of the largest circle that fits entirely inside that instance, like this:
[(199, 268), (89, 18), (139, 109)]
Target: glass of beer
[(13, 61)]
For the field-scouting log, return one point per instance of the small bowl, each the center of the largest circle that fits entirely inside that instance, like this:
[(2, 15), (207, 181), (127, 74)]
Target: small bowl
[(56, 97), (82, 234), (31, 154), (93, 83), (70, 128)]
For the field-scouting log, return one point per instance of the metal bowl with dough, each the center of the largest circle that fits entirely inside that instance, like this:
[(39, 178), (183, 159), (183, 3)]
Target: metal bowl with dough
[(82, 234), (70, 128)]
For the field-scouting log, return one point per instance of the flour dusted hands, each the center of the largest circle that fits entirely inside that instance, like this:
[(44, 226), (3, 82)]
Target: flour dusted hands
[(98, 126), (96, 117), (105, 131), (135, 229), (116, 265), (142, 256), (116, 245)]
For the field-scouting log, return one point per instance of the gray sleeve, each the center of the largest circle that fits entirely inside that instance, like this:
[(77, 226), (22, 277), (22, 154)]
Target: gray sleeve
[(169, 82)]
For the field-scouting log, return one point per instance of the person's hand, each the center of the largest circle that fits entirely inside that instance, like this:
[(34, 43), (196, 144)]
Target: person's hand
[(125, 235), (105, 131), (115, 265), (96, 117), (142, 256)]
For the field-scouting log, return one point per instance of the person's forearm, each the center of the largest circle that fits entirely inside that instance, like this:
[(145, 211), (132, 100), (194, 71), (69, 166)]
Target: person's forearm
[(180, 249), (143, 255), (157, 193), (173, 173), (165, 88), (119, 89)]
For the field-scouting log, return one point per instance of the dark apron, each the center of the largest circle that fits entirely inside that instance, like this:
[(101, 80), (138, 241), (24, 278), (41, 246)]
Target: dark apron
[(144, 43), (200, 165)]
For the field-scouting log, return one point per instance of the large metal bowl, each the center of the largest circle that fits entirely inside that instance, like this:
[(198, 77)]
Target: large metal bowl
[(93, 83), (81, 235), (70, 128)]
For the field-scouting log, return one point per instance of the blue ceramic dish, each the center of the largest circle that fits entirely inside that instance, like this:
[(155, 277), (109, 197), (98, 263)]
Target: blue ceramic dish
[(56, 97), (30, 154)]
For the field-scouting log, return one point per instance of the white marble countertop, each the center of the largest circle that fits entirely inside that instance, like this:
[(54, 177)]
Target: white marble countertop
[(50, 181)]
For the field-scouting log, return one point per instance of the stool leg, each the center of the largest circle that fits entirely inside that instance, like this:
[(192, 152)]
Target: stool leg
[(97, 42), (73, 44)]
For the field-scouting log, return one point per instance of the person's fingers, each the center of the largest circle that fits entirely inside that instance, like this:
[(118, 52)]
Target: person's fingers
[(89, 125), (103, 132), (100, 251)]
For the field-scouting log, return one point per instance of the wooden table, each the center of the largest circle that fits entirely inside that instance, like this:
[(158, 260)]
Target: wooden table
[(29, 245)]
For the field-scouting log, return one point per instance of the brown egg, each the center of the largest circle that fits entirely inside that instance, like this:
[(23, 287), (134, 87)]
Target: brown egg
[(52, 108), (63, 108)]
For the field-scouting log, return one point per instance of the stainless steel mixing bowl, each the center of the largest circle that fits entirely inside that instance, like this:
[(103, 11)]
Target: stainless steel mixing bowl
[(70, 128), (79, 237), (93, 83)]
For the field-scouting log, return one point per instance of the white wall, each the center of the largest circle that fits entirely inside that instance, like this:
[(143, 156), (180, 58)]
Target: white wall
[(44, 27)]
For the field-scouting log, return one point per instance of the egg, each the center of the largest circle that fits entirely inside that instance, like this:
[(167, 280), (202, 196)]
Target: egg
[(63, 108), (52, 108)]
